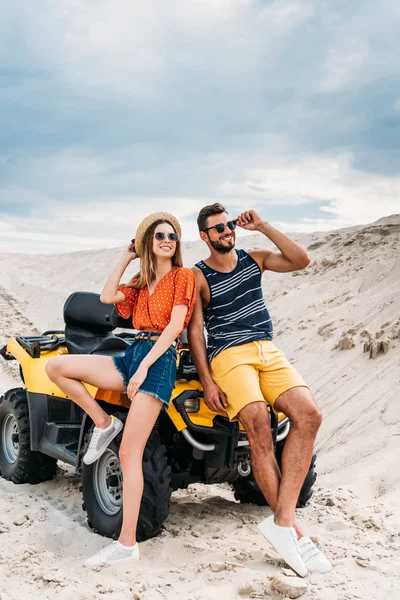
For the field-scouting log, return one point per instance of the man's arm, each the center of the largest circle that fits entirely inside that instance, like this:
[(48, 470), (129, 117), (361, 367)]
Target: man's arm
[(213, 395), (291, 257)]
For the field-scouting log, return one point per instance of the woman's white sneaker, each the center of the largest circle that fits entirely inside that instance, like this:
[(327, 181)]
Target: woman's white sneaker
[(100, 440), (284, 540), (313, 558), (114, 553)]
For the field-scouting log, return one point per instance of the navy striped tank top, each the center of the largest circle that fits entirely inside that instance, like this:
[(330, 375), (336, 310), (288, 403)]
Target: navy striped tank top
[(236, 313)]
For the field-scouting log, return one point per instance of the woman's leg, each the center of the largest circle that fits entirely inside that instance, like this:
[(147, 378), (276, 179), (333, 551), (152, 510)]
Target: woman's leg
[(141, 419), (68, 372)]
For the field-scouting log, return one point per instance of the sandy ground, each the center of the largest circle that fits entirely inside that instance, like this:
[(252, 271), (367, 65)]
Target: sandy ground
[(211, 548)]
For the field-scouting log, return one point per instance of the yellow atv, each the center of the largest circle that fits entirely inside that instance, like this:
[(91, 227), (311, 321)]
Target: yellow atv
[(39, 425)]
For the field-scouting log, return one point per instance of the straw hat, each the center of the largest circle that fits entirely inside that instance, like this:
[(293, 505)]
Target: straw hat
[(147, 222)]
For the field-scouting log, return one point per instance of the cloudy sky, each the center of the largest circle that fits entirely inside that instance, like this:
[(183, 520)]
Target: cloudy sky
[(111, 110)]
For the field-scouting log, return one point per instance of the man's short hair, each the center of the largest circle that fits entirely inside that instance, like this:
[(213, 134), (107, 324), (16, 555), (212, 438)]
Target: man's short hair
[(208, 211)]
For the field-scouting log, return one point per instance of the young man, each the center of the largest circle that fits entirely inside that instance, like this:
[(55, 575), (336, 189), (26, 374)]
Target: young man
[(241, 370)]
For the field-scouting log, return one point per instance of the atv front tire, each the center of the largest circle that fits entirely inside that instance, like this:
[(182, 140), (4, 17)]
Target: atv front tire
[(247, 491), (18, 463), (102, 490)]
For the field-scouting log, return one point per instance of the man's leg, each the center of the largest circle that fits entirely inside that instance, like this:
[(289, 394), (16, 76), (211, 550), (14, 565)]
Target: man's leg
[(256, 420), (299, 406), (283, 538)]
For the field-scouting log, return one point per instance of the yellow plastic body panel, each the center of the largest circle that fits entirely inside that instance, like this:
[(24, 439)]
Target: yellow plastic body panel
[(36, 379), (205, 416)]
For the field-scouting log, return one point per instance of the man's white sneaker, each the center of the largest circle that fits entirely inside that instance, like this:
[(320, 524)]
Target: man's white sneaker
[(100, 440), (313, 558), (284, 540), (114, 553)]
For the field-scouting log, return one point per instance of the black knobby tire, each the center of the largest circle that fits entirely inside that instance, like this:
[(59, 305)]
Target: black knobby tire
[(102, 490), (247, 491), (18, 463)]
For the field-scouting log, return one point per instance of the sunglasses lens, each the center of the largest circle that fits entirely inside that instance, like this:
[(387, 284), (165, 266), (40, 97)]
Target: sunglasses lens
[(160, 235), (220, 227)]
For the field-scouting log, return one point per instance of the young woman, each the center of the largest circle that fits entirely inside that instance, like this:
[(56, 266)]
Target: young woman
[(160, 298)]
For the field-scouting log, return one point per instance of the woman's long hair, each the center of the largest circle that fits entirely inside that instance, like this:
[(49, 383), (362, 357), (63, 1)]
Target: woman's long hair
[(147, 273)]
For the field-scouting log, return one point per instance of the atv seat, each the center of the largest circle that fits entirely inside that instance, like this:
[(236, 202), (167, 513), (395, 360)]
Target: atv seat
[(89, 325)]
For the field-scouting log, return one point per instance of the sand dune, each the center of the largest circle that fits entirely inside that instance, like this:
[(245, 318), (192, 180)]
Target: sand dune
[(210, 547)]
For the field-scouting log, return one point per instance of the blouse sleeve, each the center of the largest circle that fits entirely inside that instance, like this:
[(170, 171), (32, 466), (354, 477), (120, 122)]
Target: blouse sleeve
[(127, 308), (185, 288)]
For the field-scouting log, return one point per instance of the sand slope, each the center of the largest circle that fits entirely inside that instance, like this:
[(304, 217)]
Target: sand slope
[(210, 547)]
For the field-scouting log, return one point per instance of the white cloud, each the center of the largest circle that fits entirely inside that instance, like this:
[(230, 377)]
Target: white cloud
[(69, 228), (283, 15), (342, 67), (350, 196), (131, 48), (354, 196)]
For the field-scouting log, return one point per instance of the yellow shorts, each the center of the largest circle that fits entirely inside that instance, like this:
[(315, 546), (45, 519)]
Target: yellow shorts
[(253, 372)]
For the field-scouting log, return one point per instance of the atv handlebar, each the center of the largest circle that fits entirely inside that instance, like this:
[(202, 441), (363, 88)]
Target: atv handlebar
[(5, 354)]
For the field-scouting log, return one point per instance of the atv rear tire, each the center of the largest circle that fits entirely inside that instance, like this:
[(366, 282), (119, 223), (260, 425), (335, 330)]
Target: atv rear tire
[(18, 463), (247, 491), (102, 490)]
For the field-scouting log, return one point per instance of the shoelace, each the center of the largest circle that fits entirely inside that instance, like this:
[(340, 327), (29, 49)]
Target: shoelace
[(94, 438)]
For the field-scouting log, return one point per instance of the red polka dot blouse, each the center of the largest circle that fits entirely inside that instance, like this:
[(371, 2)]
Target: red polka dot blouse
[(153, 313)]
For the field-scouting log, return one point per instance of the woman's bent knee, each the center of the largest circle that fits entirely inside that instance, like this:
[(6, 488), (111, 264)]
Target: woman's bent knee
[(52, 367)]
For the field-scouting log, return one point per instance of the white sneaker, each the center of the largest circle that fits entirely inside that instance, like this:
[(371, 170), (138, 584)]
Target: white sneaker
[(114, 553), (284, 540), (313, 558), (100, 440)]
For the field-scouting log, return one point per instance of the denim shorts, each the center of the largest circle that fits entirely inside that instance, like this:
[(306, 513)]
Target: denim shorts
[(161, 375)]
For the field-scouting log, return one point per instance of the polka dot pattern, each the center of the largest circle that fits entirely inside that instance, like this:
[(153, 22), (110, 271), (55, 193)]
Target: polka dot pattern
[(153, 313)]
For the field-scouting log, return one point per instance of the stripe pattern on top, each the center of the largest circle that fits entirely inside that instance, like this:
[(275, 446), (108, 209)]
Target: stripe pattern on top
[(236, 313)]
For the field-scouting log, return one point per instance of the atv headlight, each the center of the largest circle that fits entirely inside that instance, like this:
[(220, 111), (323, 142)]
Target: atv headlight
[(192, 405)]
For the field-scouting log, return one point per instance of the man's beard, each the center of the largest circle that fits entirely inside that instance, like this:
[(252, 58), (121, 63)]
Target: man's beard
[(221, 248)]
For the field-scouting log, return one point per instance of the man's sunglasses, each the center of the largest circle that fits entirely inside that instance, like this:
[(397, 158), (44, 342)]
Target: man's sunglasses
[(220, 227), (160, 235)]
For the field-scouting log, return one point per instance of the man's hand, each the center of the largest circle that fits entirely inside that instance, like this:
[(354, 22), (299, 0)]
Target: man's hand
[(215, 398), (250, 220), (136, 381)]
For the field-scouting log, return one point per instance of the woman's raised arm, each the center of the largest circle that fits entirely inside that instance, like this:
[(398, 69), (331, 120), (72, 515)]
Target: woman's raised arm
[(111, 294)]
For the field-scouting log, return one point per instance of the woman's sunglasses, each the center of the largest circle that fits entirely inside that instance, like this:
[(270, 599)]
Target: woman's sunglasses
[(220, 227), (160, 235)]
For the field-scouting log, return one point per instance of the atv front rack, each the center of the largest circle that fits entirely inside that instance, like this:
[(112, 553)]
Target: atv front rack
[(35, 344)]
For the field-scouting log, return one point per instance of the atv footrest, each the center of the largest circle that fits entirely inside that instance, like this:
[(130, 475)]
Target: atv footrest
[(62, 433), (59, 451), (61, 441)]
